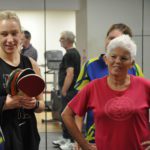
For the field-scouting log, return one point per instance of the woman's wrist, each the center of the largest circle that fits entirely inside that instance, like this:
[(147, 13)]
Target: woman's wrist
[(37, 105)]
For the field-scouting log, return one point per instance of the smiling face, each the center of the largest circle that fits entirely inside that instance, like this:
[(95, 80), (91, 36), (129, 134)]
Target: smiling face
[(119, 61), (10, 36)]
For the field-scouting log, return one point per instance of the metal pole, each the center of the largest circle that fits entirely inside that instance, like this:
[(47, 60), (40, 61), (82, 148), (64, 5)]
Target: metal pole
[(143, 36), (45, 71)]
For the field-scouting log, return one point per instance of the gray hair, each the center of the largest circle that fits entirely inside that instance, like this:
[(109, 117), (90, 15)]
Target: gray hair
[(10, 15), (125, 42), (69, 36)]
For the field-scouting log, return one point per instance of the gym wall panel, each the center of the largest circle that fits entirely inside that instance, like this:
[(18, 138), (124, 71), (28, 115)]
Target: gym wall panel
[(146, 39), (101, 14), (147, 17), (138, 42), (147, 56)]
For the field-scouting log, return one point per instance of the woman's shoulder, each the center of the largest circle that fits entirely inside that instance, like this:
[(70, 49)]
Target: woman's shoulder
[(24, 58), (25, 61), (141, 80), (138, 78), (98, 81)]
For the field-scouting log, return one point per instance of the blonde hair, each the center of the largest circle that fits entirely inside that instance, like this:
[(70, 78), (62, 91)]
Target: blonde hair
[(10, 15), (125, 42)]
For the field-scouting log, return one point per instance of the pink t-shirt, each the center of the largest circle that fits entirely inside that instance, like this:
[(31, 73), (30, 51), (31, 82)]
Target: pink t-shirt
[(121, 117)]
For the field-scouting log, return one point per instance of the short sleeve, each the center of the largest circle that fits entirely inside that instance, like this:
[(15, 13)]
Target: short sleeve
[(82, 101), (70, 60)]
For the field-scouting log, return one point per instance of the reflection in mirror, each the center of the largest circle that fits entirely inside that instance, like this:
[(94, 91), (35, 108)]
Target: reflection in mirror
[(56, 22)]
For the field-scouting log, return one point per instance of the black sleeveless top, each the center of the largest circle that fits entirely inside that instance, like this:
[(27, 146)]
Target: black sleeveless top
[(6, 69), (19, 125)]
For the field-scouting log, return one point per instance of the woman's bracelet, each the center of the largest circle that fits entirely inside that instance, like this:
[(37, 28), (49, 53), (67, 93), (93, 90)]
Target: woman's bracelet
[(36, 105)]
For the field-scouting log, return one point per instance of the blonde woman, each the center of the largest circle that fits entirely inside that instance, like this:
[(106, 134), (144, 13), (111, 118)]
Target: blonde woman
[(17, 117)]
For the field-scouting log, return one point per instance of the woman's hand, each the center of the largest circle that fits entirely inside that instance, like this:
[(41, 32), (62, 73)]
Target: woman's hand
[(68, 117), (77, 146), (93, 145), (18, 101), (28, 102), (12, 102), (146, 144)]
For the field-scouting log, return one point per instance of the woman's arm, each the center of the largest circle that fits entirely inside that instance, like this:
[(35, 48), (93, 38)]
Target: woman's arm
[(79, 122), (12, 102), (68, 117)]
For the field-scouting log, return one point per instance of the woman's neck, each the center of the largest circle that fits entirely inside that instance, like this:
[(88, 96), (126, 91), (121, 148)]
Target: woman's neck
[(12, 59), (118, 82)]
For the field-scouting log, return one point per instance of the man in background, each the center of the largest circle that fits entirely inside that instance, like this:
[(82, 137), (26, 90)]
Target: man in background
[(28, 49), (68, 73)]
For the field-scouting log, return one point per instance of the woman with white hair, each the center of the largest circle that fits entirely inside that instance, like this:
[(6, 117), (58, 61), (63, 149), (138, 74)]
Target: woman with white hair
[(120, 103)]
